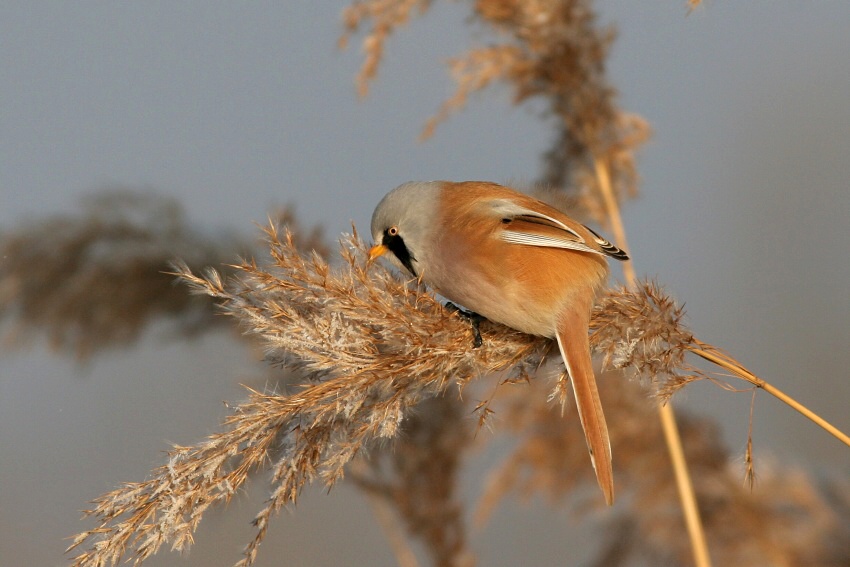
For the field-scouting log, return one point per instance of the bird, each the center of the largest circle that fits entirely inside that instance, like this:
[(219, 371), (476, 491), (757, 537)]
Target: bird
[(511, 259)]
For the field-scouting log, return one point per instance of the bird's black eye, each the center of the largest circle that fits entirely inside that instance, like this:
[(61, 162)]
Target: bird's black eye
[(392, 231)]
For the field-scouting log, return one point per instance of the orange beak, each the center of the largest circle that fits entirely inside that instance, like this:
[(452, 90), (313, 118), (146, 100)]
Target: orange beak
[(375, 252)]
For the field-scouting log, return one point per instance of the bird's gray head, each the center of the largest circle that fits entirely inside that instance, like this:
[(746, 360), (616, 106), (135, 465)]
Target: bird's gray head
[(403, 222)]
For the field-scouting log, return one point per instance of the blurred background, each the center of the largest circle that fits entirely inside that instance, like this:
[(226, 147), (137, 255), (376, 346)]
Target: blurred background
[(237, 108)]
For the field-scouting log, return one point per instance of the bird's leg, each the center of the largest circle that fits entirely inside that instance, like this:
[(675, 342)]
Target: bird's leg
[(474, 318)]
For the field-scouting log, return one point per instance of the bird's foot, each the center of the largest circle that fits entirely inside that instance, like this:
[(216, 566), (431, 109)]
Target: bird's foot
[(474, 318)]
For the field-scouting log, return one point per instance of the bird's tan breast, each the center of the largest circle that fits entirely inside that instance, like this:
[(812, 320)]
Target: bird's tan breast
[(521, 286)]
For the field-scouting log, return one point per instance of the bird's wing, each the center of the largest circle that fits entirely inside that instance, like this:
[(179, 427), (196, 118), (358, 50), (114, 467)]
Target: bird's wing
[(523, 225)]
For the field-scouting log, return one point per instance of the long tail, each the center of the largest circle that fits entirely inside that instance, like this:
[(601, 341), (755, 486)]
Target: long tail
[(575, 348)]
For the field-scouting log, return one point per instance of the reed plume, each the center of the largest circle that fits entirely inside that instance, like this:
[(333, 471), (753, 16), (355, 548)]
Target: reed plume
[(373, 349), (95, 279)]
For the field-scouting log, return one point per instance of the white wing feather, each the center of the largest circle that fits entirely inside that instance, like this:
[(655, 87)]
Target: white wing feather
[(546, 241), (570, 241)]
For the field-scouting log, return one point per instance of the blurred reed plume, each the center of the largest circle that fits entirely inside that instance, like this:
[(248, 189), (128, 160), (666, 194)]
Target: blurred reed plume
[(787, 521), (549, 50), (96, 279)]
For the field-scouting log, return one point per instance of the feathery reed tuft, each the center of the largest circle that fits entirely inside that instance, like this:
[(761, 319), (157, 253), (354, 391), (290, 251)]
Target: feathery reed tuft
[(641, 329), (374, 349), (371, 346)]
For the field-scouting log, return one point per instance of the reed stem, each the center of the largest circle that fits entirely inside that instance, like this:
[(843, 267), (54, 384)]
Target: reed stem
[(687, 495)]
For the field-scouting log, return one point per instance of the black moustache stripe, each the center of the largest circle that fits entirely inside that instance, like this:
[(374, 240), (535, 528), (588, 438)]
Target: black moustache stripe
[(396, 245)]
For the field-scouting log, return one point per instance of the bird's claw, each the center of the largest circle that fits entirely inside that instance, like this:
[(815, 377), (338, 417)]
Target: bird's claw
[(474, 318)]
